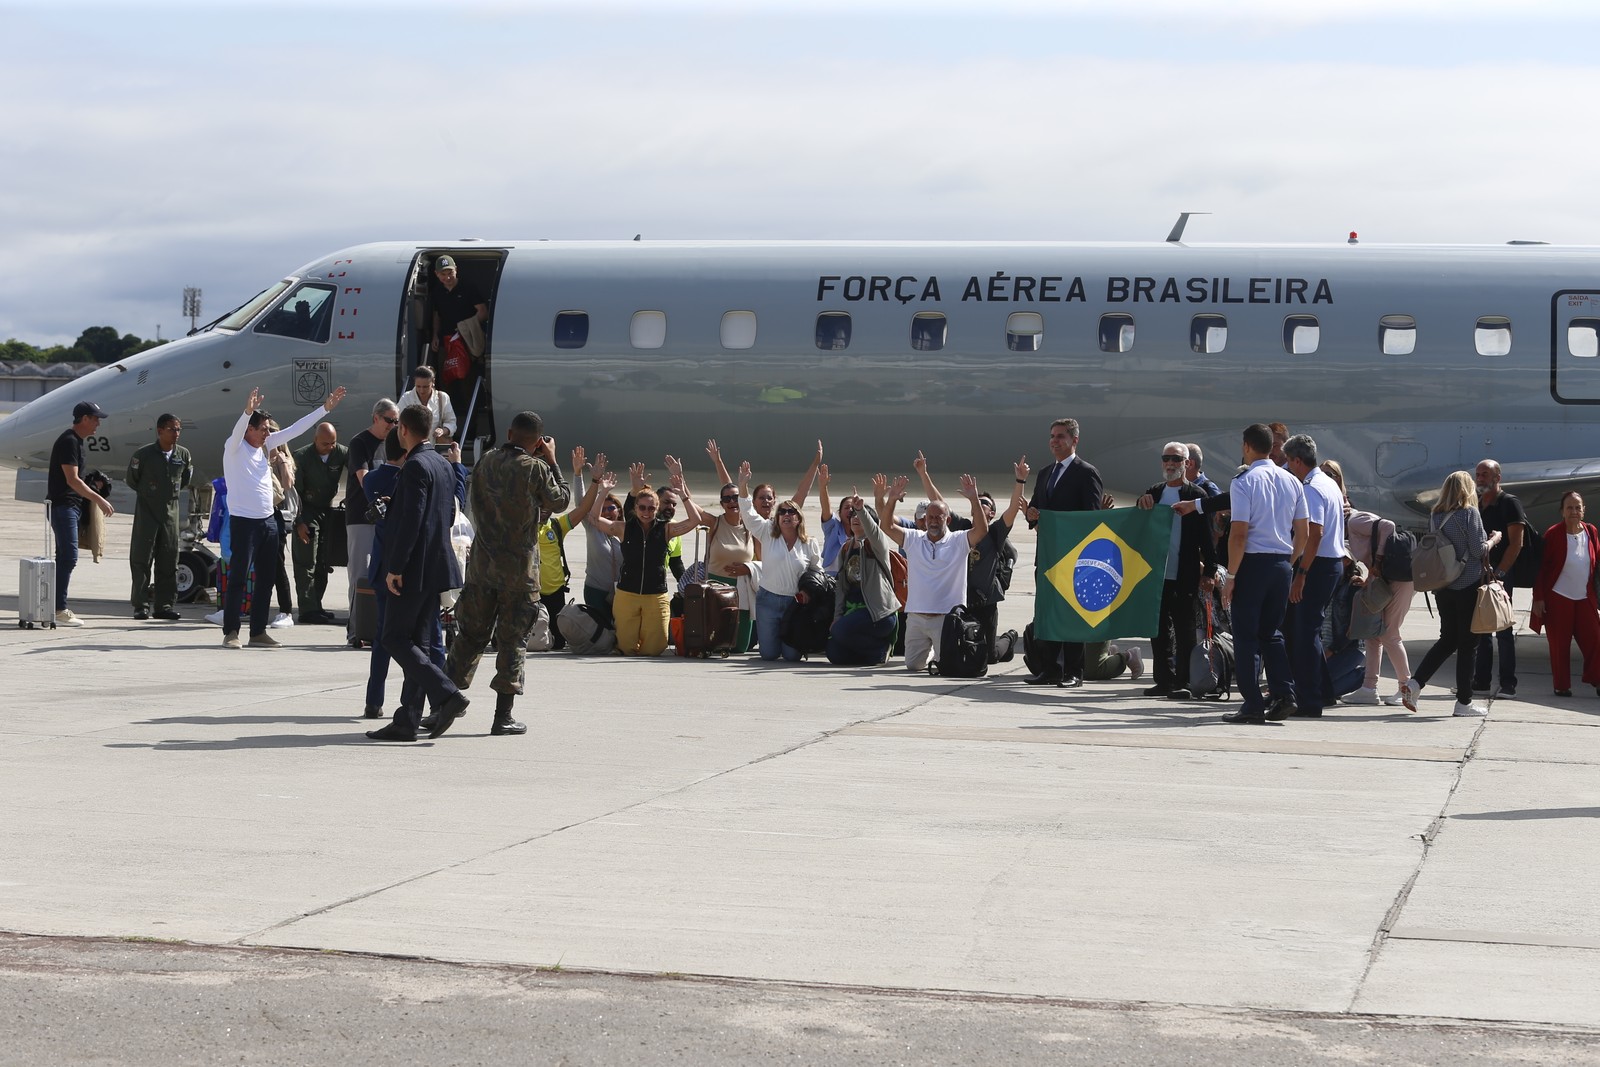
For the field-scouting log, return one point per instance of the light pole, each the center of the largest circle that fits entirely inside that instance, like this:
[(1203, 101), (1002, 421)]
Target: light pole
[(191, 307)]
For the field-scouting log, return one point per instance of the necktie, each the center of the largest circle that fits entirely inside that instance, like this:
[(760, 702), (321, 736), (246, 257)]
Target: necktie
[(1055, 476)]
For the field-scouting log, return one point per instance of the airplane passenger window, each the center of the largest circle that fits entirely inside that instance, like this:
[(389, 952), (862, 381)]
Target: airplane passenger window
[(648, 329), (739, 329), (1493, 336), (833, 331), (1583, 338), (304, 315), (928, 330), (1301, 335), (1397, 335), (1208, 333), (1024, 331), (1116, 333), (572, 329)]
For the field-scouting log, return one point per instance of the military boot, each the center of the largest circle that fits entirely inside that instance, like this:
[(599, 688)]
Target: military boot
[(503, 722)]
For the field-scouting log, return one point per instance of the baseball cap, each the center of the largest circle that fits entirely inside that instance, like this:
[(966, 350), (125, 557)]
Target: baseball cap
[(444, 263), (87, 407), (922, 510)]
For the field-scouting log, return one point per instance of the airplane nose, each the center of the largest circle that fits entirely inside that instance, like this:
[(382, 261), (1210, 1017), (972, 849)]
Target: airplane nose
[(27, 434)]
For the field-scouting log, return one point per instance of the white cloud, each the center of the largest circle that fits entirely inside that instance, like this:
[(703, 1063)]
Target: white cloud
[(128, 180)]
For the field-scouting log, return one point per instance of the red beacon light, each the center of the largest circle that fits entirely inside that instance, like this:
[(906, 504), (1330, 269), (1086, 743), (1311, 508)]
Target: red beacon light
[(1354, 239)]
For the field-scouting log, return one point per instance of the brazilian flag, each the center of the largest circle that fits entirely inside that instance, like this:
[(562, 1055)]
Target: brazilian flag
[(1100, 573)]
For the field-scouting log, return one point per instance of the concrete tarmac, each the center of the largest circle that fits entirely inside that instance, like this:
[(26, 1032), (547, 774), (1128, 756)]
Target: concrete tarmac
[(803, 835)]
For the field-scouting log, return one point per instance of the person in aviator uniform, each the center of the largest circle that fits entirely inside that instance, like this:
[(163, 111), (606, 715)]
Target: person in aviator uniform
[(157, 474)]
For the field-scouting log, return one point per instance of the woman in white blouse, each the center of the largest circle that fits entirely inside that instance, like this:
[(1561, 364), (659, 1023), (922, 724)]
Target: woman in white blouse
[(1563, 596), (422, 392), (786, 554)]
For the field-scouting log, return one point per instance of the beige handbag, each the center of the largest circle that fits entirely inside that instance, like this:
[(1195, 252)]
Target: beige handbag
[(1493, 610)]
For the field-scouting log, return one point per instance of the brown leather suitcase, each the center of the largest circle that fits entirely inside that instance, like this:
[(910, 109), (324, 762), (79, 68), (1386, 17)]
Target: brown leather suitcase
[(710, 619)]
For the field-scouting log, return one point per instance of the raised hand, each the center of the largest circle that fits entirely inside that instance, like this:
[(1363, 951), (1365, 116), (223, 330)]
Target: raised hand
[(969, 487), (880, 486), (333, 399), (744, 476), (1022, 469), (608, 482), (897, 488), (579, 462), (637, 472), (599, 464), (254, 403), (674, 468), (819, 451), (713, 451), (920, 464), (822, 476)]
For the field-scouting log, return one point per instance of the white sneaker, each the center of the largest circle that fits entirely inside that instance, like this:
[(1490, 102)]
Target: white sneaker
[(283, 620), (1394, 700), (65, 617), (1360, 696), (1468, 711), (215, 618), (1135, 660)]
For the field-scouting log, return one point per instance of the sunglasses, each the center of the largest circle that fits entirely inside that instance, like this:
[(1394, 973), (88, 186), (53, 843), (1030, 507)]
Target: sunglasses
[(1172, 459), (730, 500), (788, 511), (391, 420)]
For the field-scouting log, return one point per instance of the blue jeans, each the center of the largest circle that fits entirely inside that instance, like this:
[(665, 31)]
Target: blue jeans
[(1304, 623), (257, 542), (1260, 594), (64, 523), (856, 641), (769, 625)]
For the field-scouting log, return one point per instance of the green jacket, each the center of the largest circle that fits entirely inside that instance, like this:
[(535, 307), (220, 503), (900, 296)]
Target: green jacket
[(512, 495), (318, 482), (157, 480)]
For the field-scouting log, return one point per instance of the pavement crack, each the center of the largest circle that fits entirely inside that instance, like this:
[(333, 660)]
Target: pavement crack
[(1392, 916)]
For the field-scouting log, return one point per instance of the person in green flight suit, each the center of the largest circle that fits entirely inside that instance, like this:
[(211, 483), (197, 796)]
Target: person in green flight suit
[(319, 470), (157, 473)]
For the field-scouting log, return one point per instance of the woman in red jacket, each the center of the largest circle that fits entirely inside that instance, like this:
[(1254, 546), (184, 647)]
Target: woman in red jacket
[(1563, 596)]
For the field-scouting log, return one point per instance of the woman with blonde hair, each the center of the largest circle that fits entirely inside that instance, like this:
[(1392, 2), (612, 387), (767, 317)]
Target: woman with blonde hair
[(786, 553), (1456, 517)]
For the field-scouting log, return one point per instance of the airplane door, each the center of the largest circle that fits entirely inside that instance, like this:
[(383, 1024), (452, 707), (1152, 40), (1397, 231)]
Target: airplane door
[(1575, 346)]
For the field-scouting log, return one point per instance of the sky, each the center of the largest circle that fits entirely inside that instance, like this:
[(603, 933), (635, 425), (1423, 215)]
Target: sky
[(147, 148)]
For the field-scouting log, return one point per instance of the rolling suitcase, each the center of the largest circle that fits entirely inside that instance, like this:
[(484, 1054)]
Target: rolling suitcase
[(36, 585), (710, 619), (364, 614)]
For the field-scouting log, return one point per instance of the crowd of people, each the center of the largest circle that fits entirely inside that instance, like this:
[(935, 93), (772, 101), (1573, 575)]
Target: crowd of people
[(1312, 589)]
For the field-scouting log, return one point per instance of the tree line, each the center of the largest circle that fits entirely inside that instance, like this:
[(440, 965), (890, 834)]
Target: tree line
[(97, 344)]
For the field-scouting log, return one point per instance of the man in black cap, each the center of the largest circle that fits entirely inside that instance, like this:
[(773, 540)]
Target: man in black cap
[(68, 495)]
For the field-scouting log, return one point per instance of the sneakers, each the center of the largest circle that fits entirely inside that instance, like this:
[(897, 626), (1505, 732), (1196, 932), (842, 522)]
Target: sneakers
[(65, 617), (1408, 697), (283, 621), (215, 618), (1361, 696), (1135, 660), (263, 640), (231, 639), (1466, 711)]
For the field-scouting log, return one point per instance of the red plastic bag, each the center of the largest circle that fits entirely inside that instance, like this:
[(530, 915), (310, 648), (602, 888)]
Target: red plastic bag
[(456, 361)]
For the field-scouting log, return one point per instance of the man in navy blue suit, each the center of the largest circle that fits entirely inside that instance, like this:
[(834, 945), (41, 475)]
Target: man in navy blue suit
[(1071, 483), (419, 564)]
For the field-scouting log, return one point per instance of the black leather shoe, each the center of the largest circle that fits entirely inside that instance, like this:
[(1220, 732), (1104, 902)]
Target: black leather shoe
[(1070, 683), (170, 614), (1563, 692), (1180, 694), (141, 615), (1279, 708), (372, 711), (1043, 679), (1245, 716), (448, 713), (506, 725), (428, 722), (1158, 691), (392, 732)]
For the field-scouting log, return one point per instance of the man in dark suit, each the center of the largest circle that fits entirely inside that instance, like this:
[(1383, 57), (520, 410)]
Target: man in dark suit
[(1191, 566), (419, 564), (1069, 484)]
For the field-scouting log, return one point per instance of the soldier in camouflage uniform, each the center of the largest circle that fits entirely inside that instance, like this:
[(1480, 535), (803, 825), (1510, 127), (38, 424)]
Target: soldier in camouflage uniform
[(318, 476), (157, 474), (514, 490)]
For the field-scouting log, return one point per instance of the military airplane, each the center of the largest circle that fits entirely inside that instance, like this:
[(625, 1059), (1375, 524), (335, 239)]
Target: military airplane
[(1404, 362)]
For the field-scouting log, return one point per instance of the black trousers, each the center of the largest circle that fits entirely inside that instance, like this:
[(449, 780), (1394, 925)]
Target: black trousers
[(408, 637), (1173, 643), (1063, 658)]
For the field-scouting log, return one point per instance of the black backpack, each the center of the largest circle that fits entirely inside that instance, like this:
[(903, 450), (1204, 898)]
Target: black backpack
[(805, 626), (1525, 571), (1397, 556), (961, 648), (1212, 670)]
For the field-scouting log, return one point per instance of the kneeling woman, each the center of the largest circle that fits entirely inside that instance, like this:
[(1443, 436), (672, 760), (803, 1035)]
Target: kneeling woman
[(643, 607), (1563, 596), (864, 604), (786, 553)]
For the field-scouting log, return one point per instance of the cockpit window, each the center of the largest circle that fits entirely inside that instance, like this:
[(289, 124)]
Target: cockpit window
[(240, 317), (305, 314)]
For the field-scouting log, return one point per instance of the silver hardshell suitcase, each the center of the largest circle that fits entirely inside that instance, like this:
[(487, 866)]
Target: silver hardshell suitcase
[(36, 585)]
